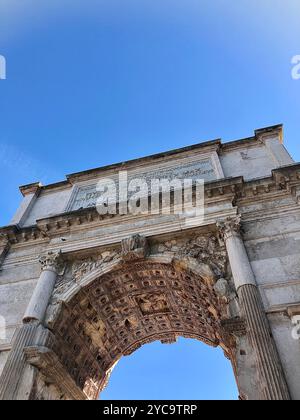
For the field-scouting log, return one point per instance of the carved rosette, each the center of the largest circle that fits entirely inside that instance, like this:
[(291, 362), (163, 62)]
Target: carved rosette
[(205, 249), (52, 261), (229, 227)]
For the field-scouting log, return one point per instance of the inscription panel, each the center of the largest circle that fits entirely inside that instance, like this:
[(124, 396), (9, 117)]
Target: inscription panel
[(86, 196)]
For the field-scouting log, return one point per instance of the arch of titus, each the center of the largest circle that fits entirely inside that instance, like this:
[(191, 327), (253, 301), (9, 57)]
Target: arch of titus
[(79, 290)]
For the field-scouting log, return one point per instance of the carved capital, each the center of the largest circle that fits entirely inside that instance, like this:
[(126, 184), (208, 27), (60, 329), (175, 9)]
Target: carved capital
[(134, 248), (229, 227), (52, 261)]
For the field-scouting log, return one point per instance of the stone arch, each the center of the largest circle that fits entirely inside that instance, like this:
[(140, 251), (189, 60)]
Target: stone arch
[(85, 279), (133, 298), (105, 303), (91, 307)]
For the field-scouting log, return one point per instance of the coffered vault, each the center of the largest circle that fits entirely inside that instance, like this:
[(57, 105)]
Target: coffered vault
[(141, 299), (79, 290)]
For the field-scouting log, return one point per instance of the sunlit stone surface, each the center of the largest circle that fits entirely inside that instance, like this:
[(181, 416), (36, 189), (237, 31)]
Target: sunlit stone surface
[(79, 290)]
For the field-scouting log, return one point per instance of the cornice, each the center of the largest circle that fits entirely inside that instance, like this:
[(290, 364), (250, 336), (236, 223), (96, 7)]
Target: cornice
[(230, 146), (264, 134), (208, 146), (205, 147), (284, 182)]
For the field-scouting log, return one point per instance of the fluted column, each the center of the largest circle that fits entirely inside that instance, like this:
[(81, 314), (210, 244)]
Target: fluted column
[(36, 310), (16, 369), (271, 375)]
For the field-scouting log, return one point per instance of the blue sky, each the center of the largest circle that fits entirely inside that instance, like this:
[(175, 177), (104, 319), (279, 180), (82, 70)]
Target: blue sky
[(188, 370), (93, 82)]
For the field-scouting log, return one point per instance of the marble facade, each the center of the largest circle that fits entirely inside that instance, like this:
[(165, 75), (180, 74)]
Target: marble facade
[(79, 290)]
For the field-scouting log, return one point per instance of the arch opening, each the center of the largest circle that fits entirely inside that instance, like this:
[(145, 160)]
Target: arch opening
[(186, 370)]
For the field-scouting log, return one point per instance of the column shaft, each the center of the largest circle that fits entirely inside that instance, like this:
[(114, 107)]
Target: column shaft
[(40, 299), (271, 375), (239, 262), (272, 379), (16, 363)]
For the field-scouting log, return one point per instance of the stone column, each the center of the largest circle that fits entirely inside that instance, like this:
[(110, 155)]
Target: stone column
[(271, 375), (39, 301), (17, 377)]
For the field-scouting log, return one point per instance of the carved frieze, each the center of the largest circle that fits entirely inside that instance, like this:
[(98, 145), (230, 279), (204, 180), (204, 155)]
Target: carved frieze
[(206, 249), (83, 267), (86, 197)]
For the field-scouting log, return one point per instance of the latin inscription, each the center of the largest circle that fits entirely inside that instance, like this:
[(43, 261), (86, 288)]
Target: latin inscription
[(86, 197)]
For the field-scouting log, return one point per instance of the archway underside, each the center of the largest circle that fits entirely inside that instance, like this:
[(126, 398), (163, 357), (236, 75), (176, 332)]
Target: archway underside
[(140, 303)]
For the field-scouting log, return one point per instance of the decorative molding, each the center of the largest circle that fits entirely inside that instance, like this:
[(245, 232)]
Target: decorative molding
[(31, 188), (204, 249), (283, 182), (82, 267)]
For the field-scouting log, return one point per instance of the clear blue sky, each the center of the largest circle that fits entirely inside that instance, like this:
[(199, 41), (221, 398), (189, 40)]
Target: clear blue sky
[(95, 82), (188, 370)]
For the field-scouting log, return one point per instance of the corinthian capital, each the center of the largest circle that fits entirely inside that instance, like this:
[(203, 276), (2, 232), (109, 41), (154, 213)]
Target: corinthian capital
[(52, 261), (229, 226)]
